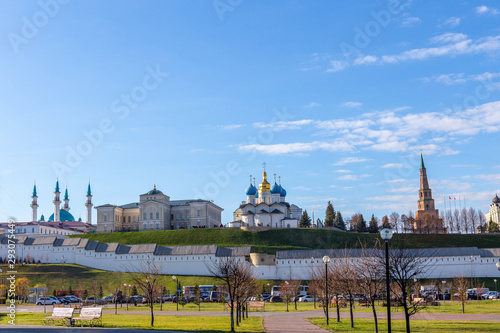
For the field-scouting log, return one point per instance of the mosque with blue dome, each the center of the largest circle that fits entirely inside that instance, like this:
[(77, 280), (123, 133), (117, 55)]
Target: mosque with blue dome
[(266, 206), (61, 217)]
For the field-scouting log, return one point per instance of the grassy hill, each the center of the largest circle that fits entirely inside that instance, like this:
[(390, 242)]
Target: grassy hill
[(289, 239), (81, 278)]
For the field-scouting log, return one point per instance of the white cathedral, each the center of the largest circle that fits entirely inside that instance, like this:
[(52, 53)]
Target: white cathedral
[(266, 207)]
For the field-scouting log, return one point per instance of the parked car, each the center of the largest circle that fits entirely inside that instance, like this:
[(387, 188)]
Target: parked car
[(92, 300), (64, 300), (276, 299), (49, 300), (488, 294), (73, 299), (266, 297), (109, 299), (494, 295), (308, 298)]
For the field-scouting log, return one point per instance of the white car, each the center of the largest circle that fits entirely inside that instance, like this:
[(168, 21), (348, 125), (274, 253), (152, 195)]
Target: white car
[(49, 300), (494, 295), (307, 298)]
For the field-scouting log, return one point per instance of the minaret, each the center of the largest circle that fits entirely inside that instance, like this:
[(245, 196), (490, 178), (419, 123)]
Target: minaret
[(57, 203), (34, 205), (425, 201), (66, 200), (89, 205)]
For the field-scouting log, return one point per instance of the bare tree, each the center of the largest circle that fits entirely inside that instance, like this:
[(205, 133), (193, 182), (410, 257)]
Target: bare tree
[(344, 274), (473, 219), (319, 284), (460, 286), (289, 289), (456, 218), (405, 266), (235, 275), (482, 221), (370, 273), (465, 219), (394, 221), (147, 279), (449, 221)]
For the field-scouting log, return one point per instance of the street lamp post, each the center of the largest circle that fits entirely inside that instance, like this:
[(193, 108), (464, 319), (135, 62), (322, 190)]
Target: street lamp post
[(326, 260), (176, 291), (386, 235), (62, 271), (127, 288), (495, 280), (444, 284)]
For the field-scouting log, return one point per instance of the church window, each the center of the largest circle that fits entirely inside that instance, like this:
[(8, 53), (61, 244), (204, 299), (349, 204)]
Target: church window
[(182, 216), (150, 216), (134, 218), (123, 219), (157, 225), (198, 212), (157, 215), (105, 217), (105, 228), (145, 226), (187, 216), (129, 219), (176, 216)]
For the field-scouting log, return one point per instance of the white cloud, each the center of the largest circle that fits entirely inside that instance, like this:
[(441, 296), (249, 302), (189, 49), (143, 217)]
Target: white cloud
[(352, 104), (457, 78), (298, 147), (302, 188), (284, 125), (336, 65), (348, 160), (451, 22), (354, 177), (410, 21), (343, 171), (449, 37), (484, 10), (312, 105), (450, 44), (230, 127), (392, 165), (5, 172)]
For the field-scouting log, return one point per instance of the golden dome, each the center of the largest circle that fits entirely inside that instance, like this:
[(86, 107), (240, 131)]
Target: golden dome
[(264, 186)]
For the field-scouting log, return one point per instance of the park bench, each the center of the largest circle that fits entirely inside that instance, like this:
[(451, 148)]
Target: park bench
[(59, 315), (77, 307), (257, 305), (90, 316), (364, 302)]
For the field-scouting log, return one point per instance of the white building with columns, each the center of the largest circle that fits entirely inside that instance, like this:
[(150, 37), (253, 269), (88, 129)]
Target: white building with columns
[(155, 211), (266, 207)]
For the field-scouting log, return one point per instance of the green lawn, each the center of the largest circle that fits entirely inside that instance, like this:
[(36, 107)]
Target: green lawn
[(289, 239), (485, 307), (424, 326), (208, 306), (207, 324)]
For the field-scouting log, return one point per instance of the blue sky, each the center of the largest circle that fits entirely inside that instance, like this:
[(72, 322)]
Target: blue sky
[(336, 97)]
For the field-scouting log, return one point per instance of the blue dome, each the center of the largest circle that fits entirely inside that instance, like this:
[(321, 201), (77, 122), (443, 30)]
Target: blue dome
[(276, 189), (283, 192), (65, 216), (256, 195), (251, 190)]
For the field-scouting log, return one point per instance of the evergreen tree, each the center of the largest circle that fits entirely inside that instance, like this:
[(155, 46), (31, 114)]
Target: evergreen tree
[(373, 227), (493, 227), (305, 220), (85, 294), (330, 215), (101, 293), (70, 291), (134, 290), (361, 224), (54, 293), (339, 221)]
